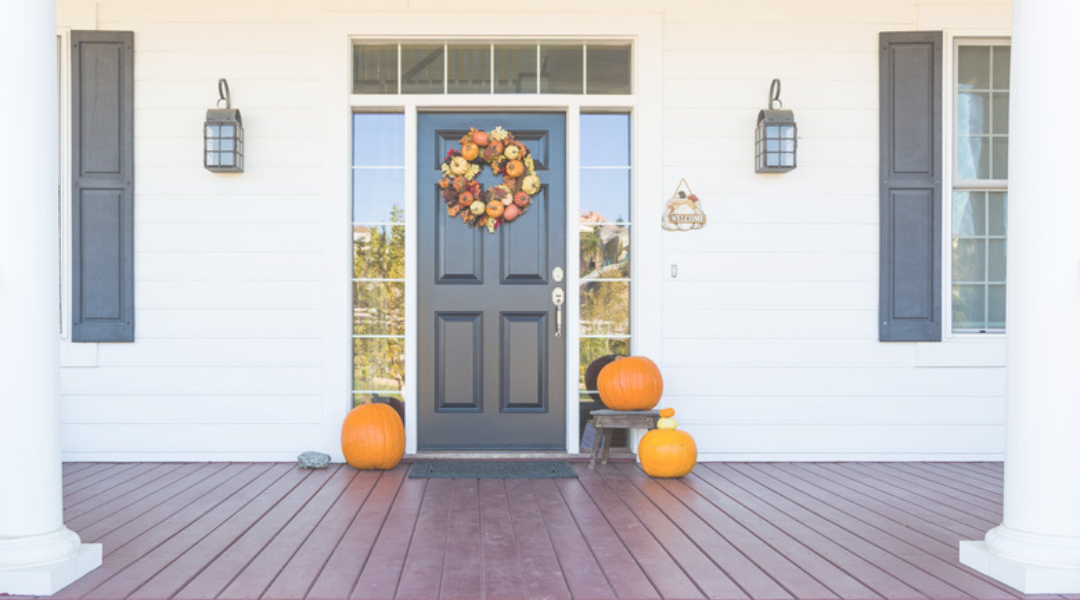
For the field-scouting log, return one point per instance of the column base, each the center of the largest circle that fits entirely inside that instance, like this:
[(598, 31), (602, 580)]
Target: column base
[(1025, 577), (46, 580)]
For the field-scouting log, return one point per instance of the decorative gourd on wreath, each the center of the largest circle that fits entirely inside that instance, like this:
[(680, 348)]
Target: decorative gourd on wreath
[(489, 208), (666, 451), (373, 437)]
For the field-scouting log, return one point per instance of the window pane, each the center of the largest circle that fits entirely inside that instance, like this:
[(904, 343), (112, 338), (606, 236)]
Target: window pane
[(969, 306), (1001, 58), (378, 308), (605, 140), (996, 261), (379, 140), (972, 158), (999, 167), (594, 348), (1001, 113), (379, 252), (607, 69), (605, 195), (605, 308), (561, 69), (365, 398), (974, 67), (378, 364), (969, 260), (605, 251), (998, 207), (421, 69), (469, 69), (972, 112), (377, 193), (969, 213), (375, 69), (515, 69), (996, 306)]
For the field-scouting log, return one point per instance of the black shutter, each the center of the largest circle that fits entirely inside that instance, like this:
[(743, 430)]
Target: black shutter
[(911, 164), (103, 201)]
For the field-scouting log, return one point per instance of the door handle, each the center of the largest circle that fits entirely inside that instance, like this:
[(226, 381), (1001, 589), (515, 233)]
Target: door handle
[(558, 296)]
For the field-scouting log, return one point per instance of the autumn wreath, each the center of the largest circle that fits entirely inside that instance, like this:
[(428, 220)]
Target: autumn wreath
[(465, 197)]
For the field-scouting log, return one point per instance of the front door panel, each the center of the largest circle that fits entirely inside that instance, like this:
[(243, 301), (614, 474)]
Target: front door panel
[(492, 371)]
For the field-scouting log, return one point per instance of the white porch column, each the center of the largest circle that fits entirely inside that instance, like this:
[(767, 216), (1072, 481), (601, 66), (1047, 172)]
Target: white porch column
[(1036, 549), (38, 555)]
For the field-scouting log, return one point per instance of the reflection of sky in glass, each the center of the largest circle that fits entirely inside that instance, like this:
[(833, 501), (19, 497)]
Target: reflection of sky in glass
[(605, 140), (606, 191), (379, 140), (375, 192)]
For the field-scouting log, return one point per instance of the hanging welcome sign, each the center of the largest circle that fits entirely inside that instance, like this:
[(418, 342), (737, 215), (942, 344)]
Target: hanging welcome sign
[(684, 211)]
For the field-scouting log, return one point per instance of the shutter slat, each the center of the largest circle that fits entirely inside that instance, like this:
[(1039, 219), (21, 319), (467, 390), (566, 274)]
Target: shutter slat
[(911, 195), (103, 201)]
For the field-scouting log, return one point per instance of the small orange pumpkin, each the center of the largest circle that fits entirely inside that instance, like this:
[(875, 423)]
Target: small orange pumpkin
[(481, 138), (630, 383), (521, 199), (465, 198), (372, 437), (666, 451), (511, 212), (470, 151), (515, 168), (495, 209)]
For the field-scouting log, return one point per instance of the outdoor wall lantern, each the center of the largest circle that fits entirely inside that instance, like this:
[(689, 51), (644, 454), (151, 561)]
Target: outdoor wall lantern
[(223, 135), (776, 139)]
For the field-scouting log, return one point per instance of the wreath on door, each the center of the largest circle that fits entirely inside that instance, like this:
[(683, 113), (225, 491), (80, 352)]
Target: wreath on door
[(468, 199)]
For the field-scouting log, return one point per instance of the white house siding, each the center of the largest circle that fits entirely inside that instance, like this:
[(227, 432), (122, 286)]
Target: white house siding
[(768, 336)]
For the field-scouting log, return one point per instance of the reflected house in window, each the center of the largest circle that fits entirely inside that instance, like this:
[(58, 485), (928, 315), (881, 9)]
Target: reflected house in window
[(605, 247)]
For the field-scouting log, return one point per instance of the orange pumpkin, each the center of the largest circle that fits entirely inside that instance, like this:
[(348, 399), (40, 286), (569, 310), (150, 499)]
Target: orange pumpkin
[(495, 209), (667, 452), (465, 198), (470, 151), (515, 168), (630, 383), (511, 212), (373, 437), (521, 199), (481, 138)]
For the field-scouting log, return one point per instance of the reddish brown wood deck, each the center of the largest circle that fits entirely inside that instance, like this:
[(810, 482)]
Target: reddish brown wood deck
[(730, 530)]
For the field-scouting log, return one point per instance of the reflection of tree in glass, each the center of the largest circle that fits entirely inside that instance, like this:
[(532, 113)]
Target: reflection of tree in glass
[(605, 308), (604, 251), (593, 348), (379, 306), (592, 250)]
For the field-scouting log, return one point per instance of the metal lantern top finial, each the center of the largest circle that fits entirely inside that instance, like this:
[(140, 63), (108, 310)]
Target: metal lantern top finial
[(223, 92), (774, 95)]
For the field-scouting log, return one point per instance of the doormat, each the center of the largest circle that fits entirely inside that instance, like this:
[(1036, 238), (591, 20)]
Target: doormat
[(491, 469)]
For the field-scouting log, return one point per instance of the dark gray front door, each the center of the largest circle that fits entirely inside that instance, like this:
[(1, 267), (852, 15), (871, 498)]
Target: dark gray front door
[(492, 370)]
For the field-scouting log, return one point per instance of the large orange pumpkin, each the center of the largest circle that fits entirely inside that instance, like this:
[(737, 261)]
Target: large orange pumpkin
[(373, 437), (666, 451), (630, 383)]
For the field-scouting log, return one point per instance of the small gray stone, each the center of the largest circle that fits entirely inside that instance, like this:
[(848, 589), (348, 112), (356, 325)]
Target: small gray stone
[(313, 460)]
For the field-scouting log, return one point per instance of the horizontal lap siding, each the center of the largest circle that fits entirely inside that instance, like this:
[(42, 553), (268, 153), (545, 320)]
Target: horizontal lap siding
[(770, 343), (768, 331), (229, 269)]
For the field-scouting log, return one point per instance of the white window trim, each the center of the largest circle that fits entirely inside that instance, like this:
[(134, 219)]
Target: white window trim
[(949, 131), (644, 105)]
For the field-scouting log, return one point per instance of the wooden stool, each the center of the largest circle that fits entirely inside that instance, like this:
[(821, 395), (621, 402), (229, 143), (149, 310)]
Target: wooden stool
[(605, 419)]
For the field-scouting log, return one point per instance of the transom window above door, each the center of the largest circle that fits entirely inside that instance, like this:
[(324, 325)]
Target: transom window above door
[(554, 67)]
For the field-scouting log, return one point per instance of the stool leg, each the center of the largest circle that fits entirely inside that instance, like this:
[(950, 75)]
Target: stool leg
[(597, 442), (607, 447)]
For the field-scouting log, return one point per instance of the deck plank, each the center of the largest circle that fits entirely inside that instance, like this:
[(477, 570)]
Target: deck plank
[(539, 563), (427, 552), (462, 577), (738, 531), (257, 576), (502, 561), (935, 556), (297, 576), (661, 569), (859, 560), (581, 569), (384, 567), (706, 574), (186, 501), (755, 582), (342, 570), (170, 561)]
